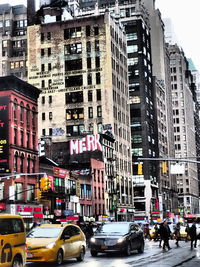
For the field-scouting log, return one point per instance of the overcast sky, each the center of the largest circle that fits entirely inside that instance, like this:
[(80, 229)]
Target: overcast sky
[(185, 18)]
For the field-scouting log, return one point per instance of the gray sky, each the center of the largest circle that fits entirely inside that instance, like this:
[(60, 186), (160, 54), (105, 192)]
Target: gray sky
[(185, 17)]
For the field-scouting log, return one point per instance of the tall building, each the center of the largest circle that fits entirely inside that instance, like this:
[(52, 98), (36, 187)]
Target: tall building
[(13, 49), (183, 96), (168, 195), (81, 67), (135, 18)]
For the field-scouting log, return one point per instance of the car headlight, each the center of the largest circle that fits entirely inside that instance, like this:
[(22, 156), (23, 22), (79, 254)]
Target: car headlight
[(120, 240), (51, 245), (92, 240)]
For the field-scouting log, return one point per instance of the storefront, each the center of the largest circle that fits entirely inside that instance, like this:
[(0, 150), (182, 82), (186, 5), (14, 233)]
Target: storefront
[(30, 213)]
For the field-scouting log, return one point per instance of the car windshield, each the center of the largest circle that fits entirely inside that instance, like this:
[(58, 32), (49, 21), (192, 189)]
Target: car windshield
[(114, 228), (44, 232)]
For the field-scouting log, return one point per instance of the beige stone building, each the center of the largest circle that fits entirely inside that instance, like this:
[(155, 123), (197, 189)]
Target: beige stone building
[(81, 67)]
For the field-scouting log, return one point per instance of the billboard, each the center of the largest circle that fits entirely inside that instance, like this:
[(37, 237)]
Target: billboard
[(4, 138)]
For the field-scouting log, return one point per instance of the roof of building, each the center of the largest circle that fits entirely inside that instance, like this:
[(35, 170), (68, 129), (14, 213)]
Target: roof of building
[(13, 83), (16, 10)]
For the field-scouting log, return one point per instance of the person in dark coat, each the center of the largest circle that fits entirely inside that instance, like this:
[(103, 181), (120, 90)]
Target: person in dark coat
[(160, 233), (193, 235), (177, 233), (187, 230), (165, 233)]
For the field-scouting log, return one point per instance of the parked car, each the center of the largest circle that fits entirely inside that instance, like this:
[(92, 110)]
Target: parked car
[(55, 243), (117, 236), (13, 241)]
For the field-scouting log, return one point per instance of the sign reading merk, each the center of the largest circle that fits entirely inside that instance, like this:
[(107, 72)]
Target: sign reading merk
[(88, 143)]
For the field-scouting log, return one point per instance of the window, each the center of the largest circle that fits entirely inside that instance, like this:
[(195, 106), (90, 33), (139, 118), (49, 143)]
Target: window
[(43, 116), (89, 63), (137, 139), (19, 191), (48, 36), (99, 111), (132, 61), (50, 115), (75, 130), (72, 33), (71, 81), (137, 152), (132, 48), (42, 37), (43, 132), (49, 66), (96, 45), (7, 23), (75, 48), (50, 99), (88, 30), (42, 52), (88, 47), (97, 62), (49, 51), (31, 192), (74, 97), (90, 112), (28, 140), (96, 30), (98, 78), (42, 67), (75, 114), (90, 95), (131, 36), (98, 94), (89, 78), (75, 64)]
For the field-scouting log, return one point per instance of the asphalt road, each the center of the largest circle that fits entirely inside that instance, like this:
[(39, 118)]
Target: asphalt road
[(153, 256)]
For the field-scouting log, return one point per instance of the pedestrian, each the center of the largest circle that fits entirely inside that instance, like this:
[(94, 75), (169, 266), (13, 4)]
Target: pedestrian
[(156, 232), (160, 234), (187, 229), (165, 233), (193, 235), (177, 233)]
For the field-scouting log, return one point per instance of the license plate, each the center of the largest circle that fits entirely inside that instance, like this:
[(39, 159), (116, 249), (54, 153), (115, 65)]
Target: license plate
[(29, 255), (104, 247)]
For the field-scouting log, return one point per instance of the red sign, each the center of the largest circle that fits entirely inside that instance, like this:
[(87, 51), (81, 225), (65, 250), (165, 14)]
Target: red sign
[(88, 143), (2, 206), (62, 173)]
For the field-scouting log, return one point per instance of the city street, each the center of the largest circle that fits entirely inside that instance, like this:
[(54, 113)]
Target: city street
[(152, 256)]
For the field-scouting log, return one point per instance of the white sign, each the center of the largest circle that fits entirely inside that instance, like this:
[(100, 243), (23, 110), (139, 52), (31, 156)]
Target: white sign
[(177, 168), (12, 192), (88, 143)]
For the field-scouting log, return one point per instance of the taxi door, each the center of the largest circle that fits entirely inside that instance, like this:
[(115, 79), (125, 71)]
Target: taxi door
[(76, 239), (66, 243)]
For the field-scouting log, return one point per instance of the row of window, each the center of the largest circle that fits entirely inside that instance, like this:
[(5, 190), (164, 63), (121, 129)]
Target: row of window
[(24, 114), (19, 163), (24, 139)]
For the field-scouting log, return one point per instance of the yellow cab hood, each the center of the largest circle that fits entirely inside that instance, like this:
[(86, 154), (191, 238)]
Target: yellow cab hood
[(39, 242)]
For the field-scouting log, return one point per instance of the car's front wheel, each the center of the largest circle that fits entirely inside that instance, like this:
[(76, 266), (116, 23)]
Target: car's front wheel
[(59, 259), (141, 249), (128, 249), (17, 262), (93, 253), (82, 255)]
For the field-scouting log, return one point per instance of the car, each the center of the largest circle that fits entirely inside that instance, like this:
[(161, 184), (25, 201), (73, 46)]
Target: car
[(117, 237), (55, 243), (13, 241)]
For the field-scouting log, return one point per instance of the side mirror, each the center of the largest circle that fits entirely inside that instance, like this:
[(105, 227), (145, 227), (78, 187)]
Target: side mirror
[(65, 237)]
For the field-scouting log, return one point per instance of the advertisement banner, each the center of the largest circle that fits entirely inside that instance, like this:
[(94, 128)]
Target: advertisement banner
[(4, 137)]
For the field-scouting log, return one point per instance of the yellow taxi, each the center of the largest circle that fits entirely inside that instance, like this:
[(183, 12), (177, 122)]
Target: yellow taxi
[(55, 243), (12, 241)]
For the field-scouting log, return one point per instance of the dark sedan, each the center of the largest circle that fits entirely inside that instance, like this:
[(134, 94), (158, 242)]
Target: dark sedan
[(117, 236)]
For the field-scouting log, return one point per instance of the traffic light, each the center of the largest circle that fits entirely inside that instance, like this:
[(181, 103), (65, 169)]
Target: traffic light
[(140, 171), (164, 167), (39, 194), (45, 184)]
